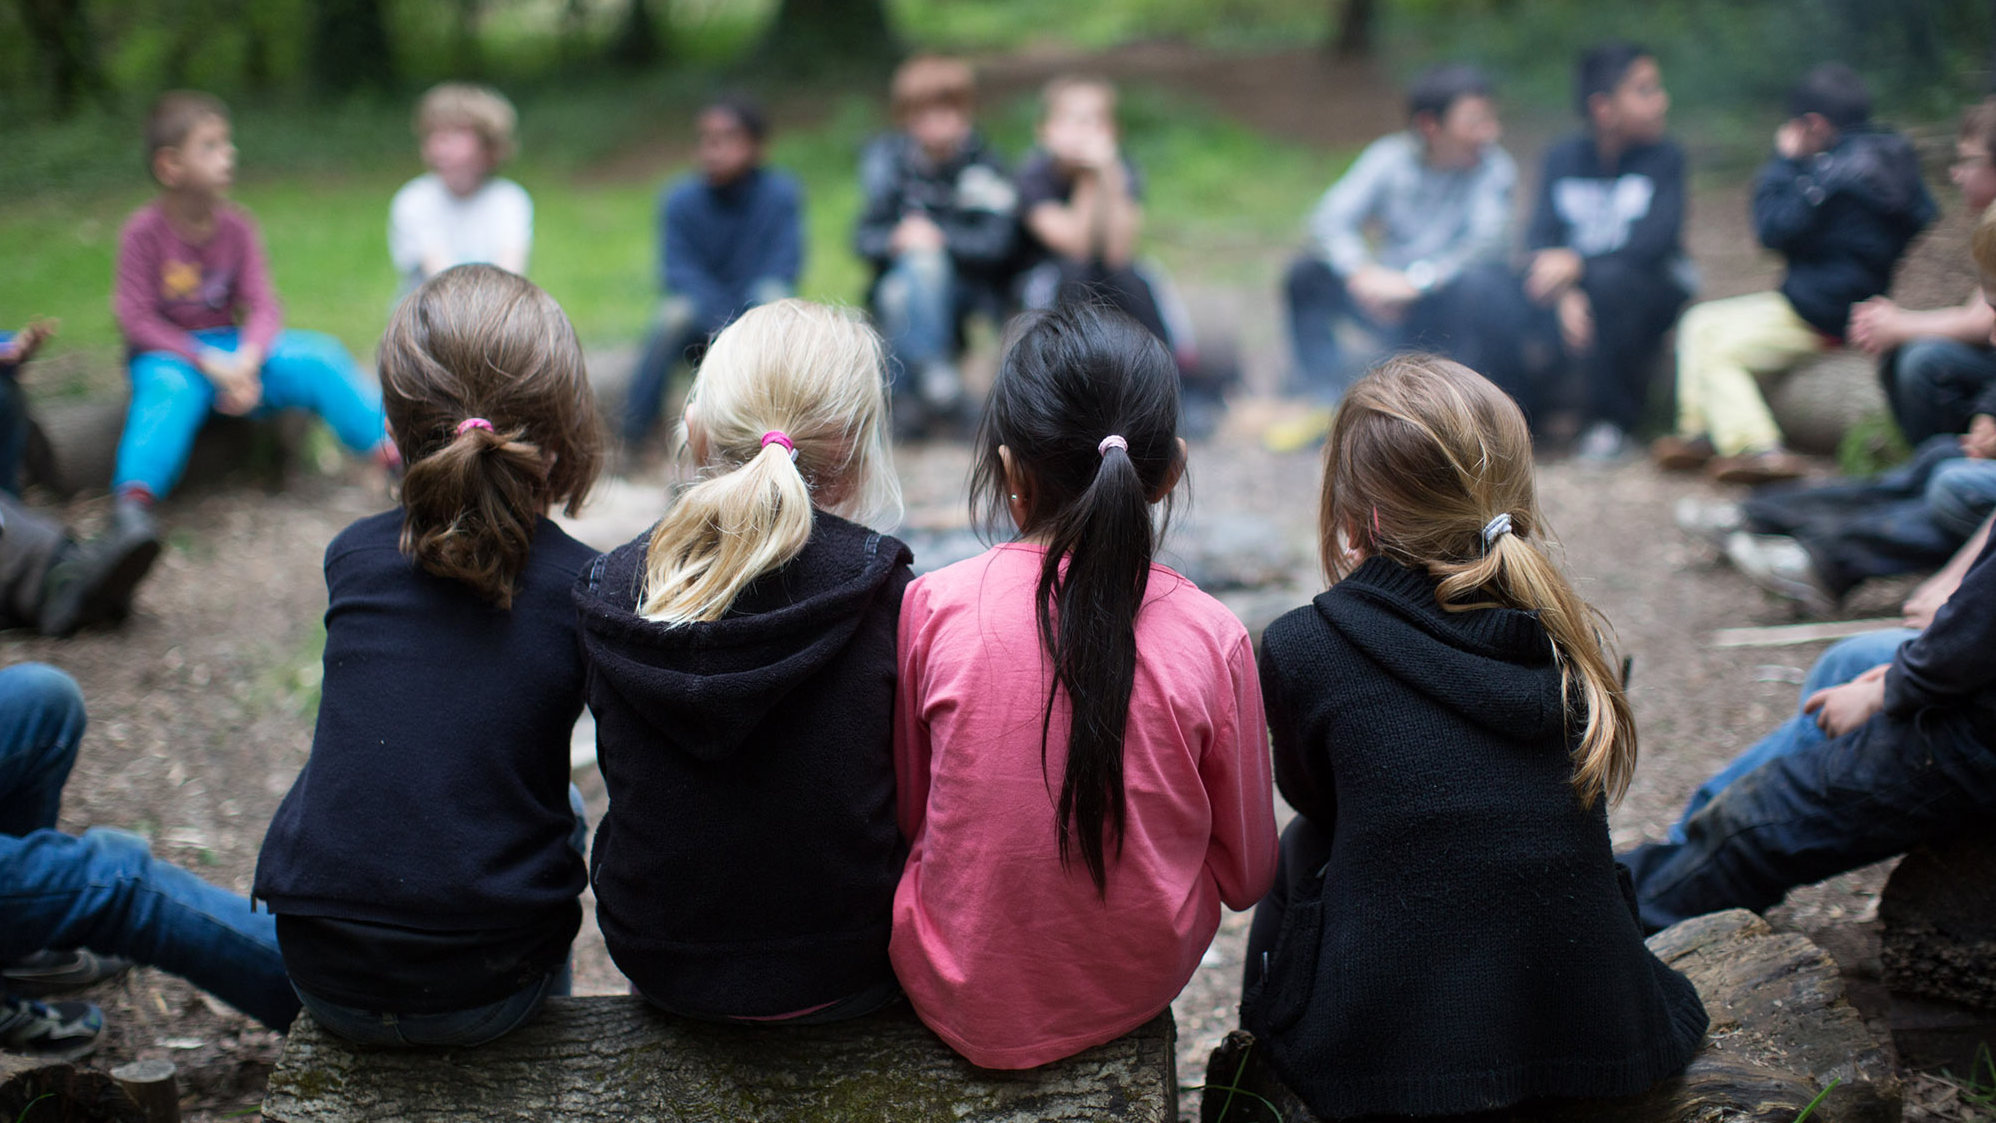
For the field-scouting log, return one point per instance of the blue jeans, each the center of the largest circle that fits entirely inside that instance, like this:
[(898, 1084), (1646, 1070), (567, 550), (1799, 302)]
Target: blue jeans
[(682, 333), (458, 1028), (1843, 662), (171, 399), (105, 890), (1932, 385), (919, 301)]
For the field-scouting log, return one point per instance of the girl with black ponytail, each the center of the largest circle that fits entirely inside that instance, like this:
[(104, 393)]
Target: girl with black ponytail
[(1079, 737)]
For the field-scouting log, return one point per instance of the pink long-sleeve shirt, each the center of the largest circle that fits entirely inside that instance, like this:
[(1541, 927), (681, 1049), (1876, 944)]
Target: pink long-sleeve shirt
[(1011, 958), (168, 287)]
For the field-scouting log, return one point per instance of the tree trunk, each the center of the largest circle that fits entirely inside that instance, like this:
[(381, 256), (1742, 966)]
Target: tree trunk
[(349, 49), (818, 37), (586, 1059), (1781, 1032), (1354, 21), (62, 37), (642, 40)]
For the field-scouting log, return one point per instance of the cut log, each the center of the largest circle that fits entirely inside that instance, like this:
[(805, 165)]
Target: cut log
[(1781, 1032), (1939, 917), (620, 1059), (61, 1093), (1819, 401), (154, 1086)]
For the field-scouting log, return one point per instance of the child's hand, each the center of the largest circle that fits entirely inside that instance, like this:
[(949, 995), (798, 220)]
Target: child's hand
[(916, 232), (1919, 609), (1792, 138), (1875, 325), (1383, 293), (1552, 272), (29, 340), (1576, 321), (238, 385), (1980, 441), (1841, 709)]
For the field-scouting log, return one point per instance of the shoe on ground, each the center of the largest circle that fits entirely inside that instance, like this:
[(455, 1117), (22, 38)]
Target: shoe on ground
[(63, 1031), (1305, 430), (1708, 521), (44, 973), (93, 582), (1779, 564), (1602, 443), (1673, 453), (1770, 466)]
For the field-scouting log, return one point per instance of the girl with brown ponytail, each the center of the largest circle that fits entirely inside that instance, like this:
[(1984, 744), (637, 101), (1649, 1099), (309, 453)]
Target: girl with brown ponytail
[(426, 867), (1449, 932)]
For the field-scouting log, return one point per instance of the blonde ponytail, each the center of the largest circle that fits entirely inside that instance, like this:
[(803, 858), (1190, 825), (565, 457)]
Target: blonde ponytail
[(789, 405)]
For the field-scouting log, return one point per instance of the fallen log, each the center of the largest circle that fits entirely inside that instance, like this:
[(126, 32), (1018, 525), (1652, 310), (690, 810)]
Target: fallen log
[(1781, 1033), (82, 446), (619, 1059)]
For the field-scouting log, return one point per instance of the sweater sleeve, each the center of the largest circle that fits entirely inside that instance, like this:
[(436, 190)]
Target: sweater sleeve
[(1786, 200), (912, 749), (785, 259), (1294, 777), (1950, 660), (1546, 231), (1241, 854), (262, 315), (1337, 226), (134, 298), (880, 211), (405, 231)]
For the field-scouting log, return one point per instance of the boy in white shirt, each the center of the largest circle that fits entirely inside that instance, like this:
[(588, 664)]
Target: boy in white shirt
[(459, 212)]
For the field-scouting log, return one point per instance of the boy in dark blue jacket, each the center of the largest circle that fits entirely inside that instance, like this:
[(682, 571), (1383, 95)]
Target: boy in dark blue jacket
[(730, 238), (1841, 199), (1607, 257)]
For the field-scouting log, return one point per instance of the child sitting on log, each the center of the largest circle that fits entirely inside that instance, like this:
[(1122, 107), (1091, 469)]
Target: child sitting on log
[(426, 867), (1449, 932), (459, 212), (1078, 729), (741, 669)]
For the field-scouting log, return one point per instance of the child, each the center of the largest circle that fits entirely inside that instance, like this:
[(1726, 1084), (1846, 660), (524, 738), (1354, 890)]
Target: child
[(426, 866), (741, 659), (1840, 201), (201, 322), (460, 212), (730, 238), (937, 226), (1448, 933), (1440, 193), (1938, 367), (1607, 258), (1078, 730)]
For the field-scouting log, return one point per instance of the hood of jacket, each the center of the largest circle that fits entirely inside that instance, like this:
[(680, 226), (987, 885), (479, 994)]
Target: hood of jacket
[(1493, 666), (699, 686)]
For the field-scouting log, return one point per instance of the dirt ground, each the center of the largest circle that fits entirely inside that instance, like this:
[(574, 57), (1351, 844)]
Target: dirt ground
[(200, 705)]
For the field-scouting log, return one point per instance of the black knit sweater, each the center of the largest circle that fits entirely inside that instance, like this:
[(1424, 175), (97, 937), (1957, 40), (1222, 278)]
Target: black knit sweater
[(747, 863), (1472, 946)]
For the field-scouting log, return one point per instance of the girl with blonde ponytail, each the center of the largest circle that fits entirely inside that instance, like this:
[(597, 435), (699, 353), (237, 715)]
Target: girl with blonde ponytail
[(742, 665), (1448, 725)]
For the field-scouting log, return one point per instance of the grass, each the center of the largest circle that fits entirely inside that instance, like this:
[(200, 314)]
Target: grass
[(319, 182)]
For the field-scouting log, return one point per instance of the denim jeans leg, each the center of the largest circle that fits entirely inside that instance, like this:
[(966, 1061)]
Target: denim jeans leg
[(105, 891), (916, 303), (1933, 384), (677, 333), (457, 1028), (312, 370), (1961, 494), (41, 722), (1317, 301), (1843, 662)]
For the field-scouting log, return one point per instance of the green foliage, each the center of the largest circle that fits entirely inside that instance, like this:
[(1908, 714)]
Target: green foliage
[(1820, 1097), (1871, 446)]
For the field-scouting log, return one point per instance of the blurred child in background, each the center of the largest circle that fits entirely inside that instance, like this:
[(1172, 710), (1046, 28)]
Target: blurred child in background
[(459, 212)]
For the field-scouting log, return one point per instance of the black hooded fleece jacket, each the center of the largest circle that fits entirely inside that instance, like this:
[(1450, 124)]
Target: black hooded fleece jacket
[(747, 864)]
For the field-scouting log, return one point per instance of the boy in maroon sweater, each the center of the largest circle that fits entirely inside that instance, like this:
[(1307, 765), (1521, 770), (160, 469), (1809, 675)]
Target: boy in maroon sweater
[(200, 320)]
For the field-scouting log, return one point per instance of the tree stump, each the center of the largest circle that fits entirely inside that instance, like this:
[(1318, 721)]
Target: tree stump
[(1819, 401), (620, 1059), (61, 1092), (1781, 1032), (1939, 917)]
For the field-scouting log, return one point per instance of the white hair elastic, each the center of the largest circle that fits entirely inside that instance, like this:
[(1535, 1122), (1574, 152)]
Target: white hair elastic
[(1109, 442), (1494, 529)]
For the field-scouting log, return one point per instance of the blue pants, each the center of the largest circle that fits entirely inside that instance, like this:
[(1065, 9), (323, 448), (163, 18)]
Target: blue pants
[(921, 303), (1932, 385), (105, 890), (171, 400), (1843, 662), (1474, 319), (1823, 807), (460, 1028), (13, 423), (1905, 520), (682, 334)]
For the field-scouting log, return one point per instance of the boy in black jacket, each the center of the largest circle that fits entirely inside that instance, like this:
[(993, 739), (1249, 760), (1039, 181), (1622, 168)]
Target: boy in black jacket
[(1607, 258), (938, 227), (1840, 200)]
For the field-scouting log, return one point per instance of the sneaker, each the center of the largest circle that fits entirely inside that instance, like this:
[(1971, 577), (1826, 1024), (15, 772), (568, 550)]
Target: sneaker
[(1708, 522), (1780, 565), (1770, 466), (1305, 430), (1682, 454), (63, 1031), (1602, 443), (53, 972), (92, 582)]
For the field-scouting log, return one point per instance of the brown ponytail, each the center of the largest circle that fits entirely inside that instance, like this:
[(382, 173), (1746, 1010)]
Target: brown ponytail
[(483, 383)]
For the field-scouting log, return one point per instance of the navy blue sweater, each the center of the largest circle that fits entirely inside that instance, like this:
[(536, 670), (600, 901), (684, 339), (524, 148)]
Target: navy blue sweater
[(1842, 218), (436, 795), (716, 243)]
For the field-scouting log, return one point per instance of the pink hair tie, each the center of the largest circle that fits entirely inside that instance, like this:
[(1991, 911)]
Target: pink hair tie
[(1109, 442), (470, 423), (779, 437)]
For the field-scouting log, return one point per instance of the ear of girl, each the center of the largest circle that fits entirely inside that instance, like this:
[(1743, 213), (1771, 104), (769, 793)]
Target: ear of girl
[(1145, 721)]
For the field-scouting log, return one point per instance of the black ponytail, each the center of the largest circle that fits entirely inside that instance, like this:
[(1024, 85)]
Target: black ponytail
[(1071, 378)]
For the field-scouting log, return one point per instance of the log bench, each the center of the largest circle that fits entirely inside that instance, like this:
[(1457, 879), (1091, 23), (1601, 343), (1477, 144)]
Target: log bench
[(1781, 1032), (77, 446), (617, 1058), (1823, 397)]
